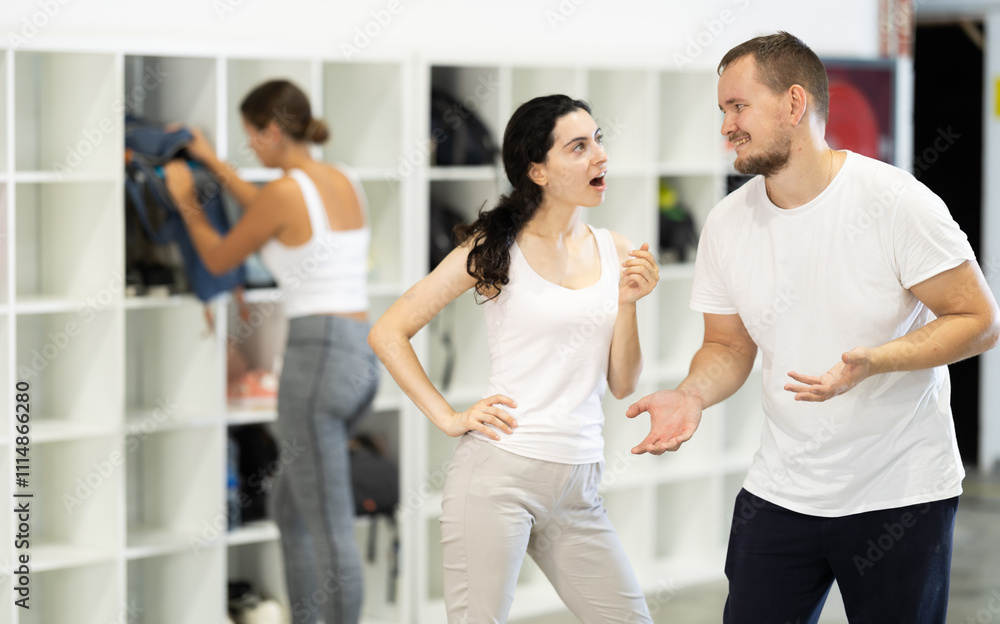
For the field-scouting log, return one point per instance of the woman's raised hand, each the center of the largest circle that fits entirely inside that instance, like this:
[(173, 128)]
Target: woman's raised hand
[(639, 275), (199, 148)]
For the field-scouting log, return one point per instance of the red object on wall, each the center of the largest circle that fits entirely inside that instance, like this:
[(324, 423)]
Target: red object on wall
[(853, 124), (862, 107)]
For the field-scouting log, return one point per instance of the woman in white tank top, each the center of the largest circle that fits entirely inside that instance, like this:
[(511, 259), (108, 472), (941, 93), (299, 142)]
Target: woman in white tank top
[(311, 228), (560, 303)]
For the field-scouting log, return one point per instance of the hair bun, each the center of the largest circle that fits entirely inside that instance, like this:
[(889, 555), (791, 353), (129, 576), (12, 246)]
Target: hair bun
[(317, 131)]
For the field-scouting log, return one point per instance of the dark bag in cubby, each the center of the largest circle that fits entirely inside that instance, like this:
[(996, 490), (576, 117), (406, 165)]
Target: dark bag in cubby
[(459, 136), (375, 481), (258, 465), (375, 478), (443, 221)]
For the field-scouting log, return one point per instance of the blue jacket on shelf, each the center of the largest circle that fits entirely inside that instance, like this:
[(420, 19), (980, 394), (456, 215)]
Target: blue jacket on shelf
[(148, 147)]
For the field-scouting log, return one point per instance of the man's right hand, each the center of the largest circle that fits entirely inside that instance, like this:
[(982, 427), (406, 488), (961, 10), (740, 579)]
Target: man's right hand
[(674, 416)]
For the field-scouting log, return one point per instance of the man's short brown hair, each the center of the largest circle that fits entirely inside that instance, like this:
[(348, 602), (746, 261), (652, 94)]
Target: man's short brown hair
[(784, 60)]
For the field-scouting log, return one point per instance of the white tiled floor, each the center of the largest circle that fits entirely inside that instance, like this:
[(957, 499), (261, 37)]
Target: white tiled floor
[(975, 577)]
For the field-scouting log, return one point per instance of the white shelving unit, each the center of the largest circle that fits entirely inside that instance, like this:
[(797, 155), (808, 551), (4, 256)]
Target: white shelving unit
[(128, 395), (129, 403)]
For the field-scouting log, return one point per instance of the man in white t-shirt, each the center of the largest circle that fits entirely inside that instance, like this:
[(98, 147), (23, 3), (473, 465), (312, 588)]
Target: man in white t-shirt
[(858, 288)]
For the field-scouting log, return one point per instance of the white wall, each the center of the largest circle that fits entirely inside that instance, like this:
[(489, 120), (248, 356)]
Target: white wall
[(591, 30)]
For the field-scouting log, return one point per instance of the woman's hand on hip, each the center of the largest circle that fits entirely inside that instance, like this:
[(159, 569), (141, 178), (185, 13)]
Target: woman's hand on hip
[(486, 417)]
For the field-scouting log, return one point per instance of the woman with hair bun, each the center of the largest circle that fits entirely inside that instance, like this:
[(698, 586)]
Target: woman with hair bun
[(560, 304), (312, 230)]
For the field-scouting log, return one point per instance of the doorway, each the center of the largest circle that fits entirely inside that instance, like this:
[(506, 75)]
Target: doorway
[(947, 157)]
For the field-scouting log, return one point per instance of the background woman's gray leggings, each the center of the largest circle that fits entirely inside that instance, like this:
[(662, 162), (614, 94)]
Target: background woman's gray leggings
[(328, 381)]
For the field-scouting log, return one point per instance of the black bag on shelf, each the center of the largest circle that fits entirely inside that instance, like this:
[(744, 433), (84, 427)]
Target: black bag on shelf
[(443, 220), (459, 136), (375, 478), (258, 463)]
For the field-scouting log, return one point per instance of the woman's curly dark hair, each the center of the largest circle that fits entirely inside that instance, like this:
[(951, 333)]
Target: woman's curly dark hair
[(526, 140)]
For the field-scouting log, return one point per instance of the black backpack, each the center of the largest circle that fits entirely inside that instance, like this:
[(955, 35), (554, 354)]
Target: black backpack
[(459, 136), (257, 466), (375, 481), (443, 221), (374, 477)]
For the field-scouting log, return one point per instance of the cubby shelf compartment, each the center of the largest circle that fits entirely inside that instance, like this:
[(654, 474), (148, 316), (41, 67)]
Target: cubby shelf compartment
[(56, 139), (174, 492), (103, 600)]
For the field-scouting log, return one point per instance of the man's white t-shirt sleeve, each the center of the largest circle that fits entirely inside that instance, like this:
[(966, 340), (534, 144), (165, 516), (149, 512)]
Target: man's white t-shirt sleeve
[(709, 293), (926, 240)]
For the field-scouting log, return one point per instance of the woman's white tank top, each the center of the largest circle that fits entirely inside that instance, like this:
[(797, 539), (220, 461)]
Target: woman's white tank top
[(329, 272), (549, 351)]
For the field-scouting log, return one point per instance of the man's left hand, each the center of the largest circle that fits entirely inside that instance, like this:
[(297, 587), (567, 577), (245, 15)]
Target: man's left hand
[(855, 367)]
